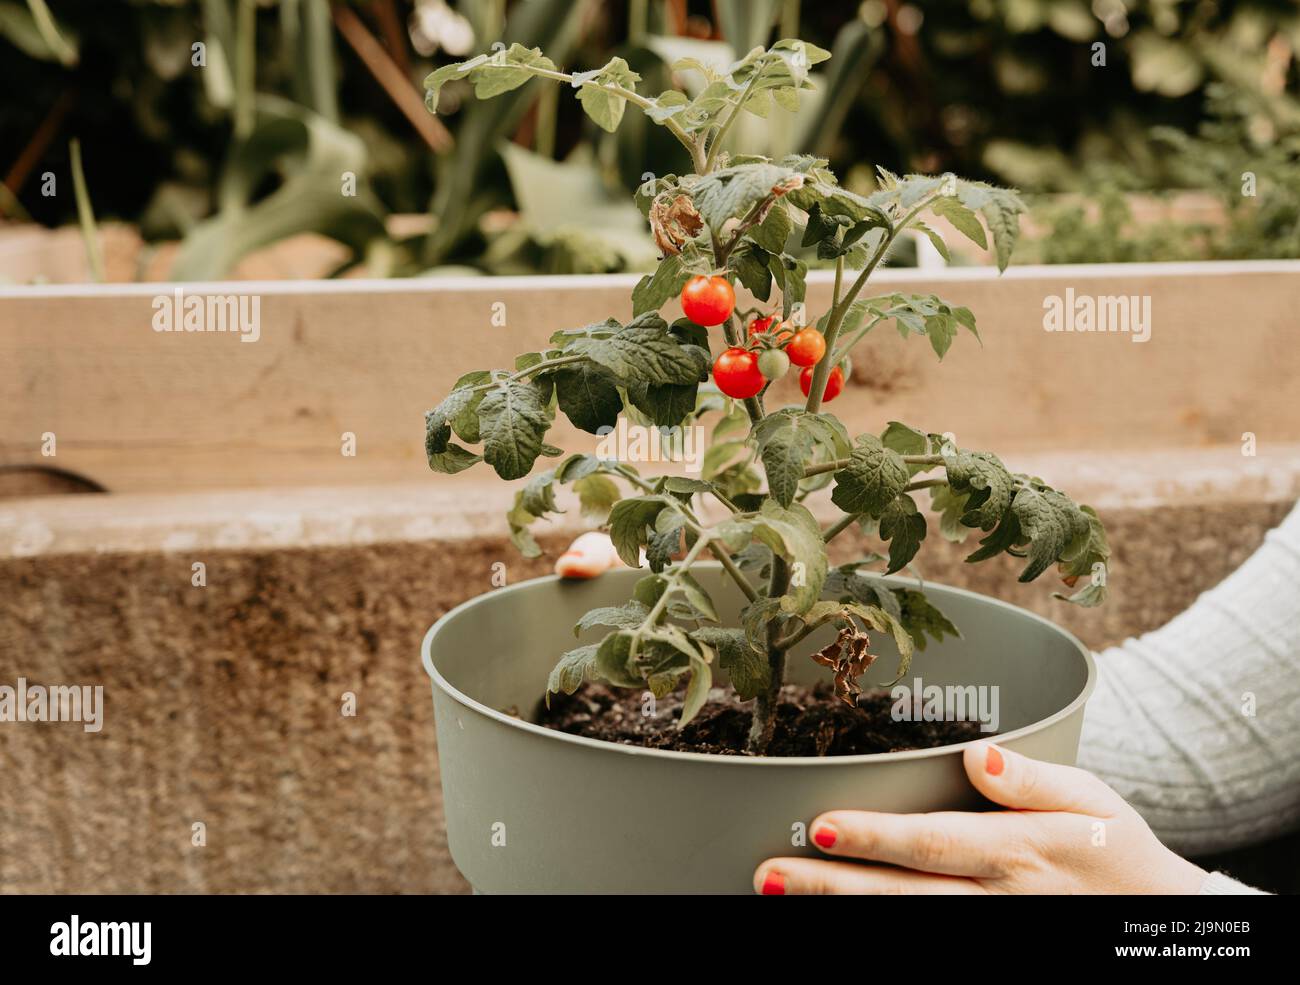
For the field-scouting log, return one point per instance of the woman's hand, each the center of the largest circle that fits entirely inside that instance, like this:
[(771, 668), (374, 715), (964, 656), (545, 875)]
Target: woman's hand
[(1064, 832)]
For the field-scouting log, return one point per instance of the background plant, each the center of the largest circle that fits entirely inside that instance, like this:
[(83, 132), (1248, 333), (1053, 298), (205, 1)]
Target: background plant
[(736, 216), (1002, 90)]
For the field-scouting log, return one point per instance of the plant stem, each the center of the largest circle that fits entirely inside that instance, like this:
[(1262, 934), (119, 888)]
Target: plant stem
[(764, 720), (692, 146), (530, 370), (841, 308), (840, 525), (839, 463), (731, 118), (697, 528)]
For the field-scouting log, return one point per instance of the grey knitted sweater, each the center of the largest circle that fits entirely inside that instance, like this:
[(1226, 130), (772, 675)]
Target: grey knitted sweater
[(1197, 724)]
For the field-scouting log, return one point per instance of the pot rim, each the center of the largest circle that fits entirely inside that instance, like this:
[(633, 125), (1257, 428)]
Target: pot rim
[(510, 721)]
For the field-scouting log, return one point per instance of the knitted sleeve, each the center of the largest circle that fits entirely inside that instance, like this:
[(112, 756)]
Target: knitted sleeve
[(1197, 724)]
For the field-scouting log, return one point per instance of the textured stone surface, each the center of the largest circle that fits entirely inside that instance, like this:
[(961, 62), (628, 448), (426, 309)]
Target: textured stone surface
[(223, 702)]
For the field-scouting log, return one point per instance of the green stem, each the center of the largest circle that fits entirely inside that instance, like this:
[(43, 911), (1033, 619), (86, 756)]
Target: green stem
[(674, 578), (838, 312), (692, 147), (530, 370), (245, 67), (840, 525), (763, 724), (839, 463), (697, 528), (731, 117)]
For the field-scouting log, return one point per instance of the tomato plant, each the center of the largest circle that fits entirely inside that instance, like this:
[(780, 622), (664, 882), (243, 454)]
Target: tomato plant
[(734, 218)]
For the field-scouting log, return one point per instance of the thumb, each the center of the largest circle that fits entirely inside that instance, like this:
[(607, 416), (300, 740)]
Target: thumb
[(1021, 783)]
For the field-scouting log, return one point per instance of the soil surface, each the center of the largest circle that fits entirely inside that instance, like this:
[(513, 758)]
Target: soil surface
[(810, 722)]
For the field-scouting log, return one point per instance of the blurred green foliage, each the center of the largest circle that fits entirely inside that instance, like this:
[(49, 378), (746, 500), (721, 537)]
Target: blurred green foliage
[(1091, 97)]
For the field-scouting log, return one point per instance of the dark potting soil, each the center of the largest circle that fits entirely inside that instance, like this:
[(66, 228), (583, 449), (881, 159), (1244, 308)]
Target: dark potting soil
[(810, 722)]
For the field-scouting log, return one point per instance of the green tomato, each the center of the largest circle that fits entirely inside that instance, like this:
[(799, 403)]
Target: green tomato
[(773, 364)]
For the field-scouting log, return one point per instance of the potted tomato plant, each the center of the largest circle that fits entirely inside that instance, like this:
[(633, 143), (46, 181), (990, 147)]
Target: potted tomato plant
[(718, 697)]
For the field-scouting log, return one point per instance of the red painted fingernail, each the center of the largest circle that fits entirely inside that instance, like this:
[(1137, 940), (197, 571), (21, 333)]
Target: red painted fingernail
[(774, 884), (825, 835), (993, 765)]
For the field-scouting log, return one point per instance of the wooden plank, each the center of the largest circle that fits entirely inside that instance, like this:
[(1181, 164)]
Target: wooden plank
[(139, 410)]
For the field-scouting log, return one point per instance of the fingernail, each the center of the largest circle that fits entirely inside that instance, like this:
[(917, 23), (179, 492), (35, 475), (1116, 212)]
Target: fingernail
[(774, 884), (825, 835), (993, 764)]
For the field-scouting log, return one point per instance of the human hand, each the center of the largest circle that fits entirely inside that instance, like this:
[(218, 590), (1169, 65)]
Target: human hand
[(1065, 831)]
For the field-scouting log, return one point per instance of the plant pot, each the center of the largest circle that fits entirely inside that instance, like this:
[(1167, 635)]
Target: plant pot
[(532, 810)]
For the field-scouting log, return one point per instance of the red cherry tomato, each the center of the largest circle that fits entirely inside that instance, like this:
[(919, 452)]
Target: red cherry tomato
[(760, 325), (807, 347), (834, 383), (708, 300), (736, 373)]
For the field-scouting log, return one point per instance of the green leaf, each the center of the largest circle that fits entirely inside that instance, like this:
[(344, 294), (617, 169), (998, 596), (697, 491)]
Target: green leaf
[(790, 276), (950, 506), (750, 263), (588, 396), (746, 665), (444, 455), (904, 527), (920, 617), (605, 107), (774, 231), (646, 353), (697, 691), (629, 522), (697, 596), (576, 666), (514, 418), (596, 496), (731, 192), (612, 657), (655, 290), (795, 535), (786, 440), (906, 441), (985, 482), (629, 615), (754, 618), (962, 219), (490, 75), (874, 476), (1051, 522)]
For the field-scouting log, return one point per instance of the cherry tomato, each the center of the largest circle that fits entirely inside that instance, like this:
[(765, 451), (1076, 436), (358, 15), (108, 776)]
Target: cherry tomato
[(773, 363), (760, 325), (736, 373), (708, 300), (834, 383), (807, 347)]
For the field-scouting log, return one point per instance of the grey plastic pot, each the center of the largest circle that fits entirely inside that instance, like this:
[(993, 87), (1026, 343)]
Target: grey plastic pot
[(532, 810)]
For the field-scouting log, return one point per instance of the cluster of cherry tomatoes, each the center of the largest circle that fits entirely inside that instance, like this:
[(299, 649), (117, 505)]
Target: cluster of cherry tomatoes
[(772, 345)]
